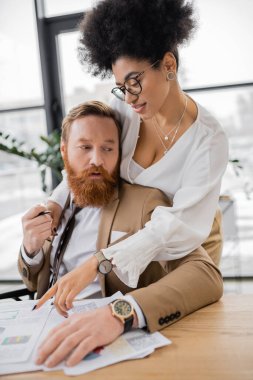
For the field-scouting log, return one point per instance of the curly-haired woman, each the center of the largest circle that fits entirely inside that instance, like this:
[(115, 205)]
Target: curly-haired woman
[(169, 141)]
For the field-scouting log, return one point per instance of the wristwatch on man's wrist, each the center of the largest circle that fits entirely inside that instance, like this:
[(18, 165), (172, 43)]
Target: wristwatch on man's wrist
[(104, 265), (124, 311)]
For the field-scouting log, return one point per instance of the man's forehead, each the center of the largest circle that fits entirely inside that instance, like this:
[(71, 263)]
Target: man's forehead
[(93, 139), (92, 127)]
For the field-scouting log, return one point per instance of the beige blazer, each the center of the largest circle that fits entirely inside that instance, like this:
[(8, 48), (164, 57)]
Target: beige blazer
[(167, 291)]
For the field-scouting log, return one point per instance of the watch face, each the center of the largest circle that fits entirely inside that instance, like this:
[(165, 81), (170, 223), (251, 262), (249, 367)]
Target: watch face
[(105, 267), (122, 307)]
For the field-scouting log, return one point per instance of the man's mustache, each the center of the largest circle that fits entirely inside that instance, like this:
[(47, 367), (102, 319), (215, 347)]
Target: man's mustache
[(95, 170)]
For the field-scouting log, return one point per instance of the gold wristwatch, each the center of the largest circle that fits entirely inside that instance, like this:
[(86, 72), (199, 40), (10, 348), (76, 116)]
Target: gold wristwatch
[(124, 311), (104, 265)]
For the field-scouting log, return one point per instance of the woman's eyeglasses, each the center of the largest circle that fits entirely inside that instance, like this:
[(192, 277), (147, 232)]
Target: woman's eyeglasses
[(131, 85)]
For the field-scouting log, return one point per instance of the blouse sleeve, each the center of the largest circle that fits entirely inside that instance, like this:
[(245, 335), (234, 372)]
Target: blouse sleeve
[(174, 232), (61, 192)]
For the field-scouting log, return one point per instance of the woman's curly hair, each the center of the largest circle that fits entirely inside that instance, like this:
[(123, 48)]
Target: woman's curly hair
[(141, 29)]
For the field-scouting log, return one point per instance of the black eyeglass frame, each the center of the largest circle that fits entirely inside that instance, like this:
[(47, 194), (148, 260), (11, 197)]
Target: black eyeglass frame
[(123, 88)]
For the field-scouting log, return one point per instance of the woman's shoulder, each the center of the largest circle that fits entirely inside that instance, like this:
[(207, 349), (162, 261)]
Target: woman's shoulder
[(209, 134), (208, 122)]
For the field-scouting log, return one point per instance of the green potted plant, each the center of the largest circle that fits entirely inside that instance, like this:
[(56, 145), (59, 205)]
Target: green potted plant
[(49, 158)]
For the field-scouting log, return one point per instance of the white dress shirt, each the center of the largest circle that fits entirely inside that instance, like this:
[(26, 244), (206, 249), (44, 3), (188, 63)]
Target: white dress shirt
[(81, 246)]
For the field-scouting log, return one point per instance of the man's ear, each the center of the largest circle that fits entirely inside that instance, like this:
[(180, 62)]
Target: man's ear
[(63, 148)]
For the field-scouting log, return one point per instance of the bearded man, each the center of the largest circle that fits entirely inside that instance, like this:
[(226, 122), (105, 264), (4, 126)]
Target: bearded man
[(90, 151), (100, 211), (105, 211)]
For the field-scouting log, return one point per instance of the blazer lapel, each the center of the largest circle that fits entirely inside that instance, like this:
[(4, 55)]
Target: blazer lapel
[(105, 227), (106, 221)]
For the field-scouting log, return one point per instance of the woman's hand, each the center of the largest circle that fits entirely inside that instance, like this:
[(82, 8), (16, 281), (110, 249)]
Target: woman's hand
[(67, 287), (56, 212)]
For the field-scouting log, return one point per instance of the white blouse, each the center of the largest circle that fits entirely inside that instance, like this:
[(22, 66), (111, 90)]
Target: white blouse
[(190, 174), (134, 170)]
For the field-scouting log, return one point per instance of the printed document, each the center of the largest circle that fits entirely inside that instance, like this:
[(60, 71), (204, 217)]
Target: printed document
[(22, 330)]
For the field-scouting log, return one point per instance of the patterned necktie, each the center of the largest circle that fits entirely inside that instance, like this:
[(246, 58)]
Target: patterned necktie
[(62, 245)]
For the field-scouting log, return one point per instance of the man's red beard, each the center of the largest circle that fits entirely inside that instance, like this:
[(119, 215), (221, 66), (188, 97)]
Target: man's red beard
[(88, 191)]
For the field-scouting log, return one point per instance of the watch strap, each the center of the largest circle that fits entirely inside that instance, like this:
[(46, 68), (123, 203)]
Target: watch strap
[(104, 265), (128, 323), (100, 256)]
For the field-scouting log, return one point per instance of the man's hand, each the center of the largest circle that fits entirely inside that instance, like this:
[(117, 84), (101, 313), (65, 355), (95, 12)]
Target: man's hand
[(36, 228), (79, 335), (67, 287)]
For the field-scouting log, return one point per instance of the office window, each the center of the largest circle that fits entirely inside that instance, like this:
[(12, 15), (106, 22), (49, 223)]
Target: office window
[(64, 7), (20, 74), (221, 50), (22, 116), (21, 97), (76, 83), (220, 55)]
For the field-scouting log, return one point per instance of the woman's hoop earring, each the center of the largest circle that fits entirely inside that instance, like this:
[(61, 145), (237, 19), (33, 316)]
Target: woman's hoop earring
[(170, 75)]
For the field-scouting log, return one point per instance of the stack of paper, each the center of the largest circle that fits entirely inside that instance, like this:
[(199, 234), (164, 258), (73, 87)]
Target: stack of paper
[(135, 344), (22, 330)]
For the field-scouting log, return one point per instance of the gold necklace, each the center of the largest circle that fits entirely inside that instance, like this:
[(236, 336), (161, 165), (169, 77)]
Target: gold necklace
[(176, 129)]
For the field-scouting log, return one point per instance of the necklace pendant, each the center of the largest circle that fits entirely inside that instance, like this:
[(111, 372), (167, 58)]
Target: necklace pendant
[(166, 138)]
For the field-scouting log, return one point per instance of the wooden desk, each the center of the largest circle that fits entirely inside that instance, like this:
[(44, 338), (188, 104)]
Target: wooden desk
[(215, 343)]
